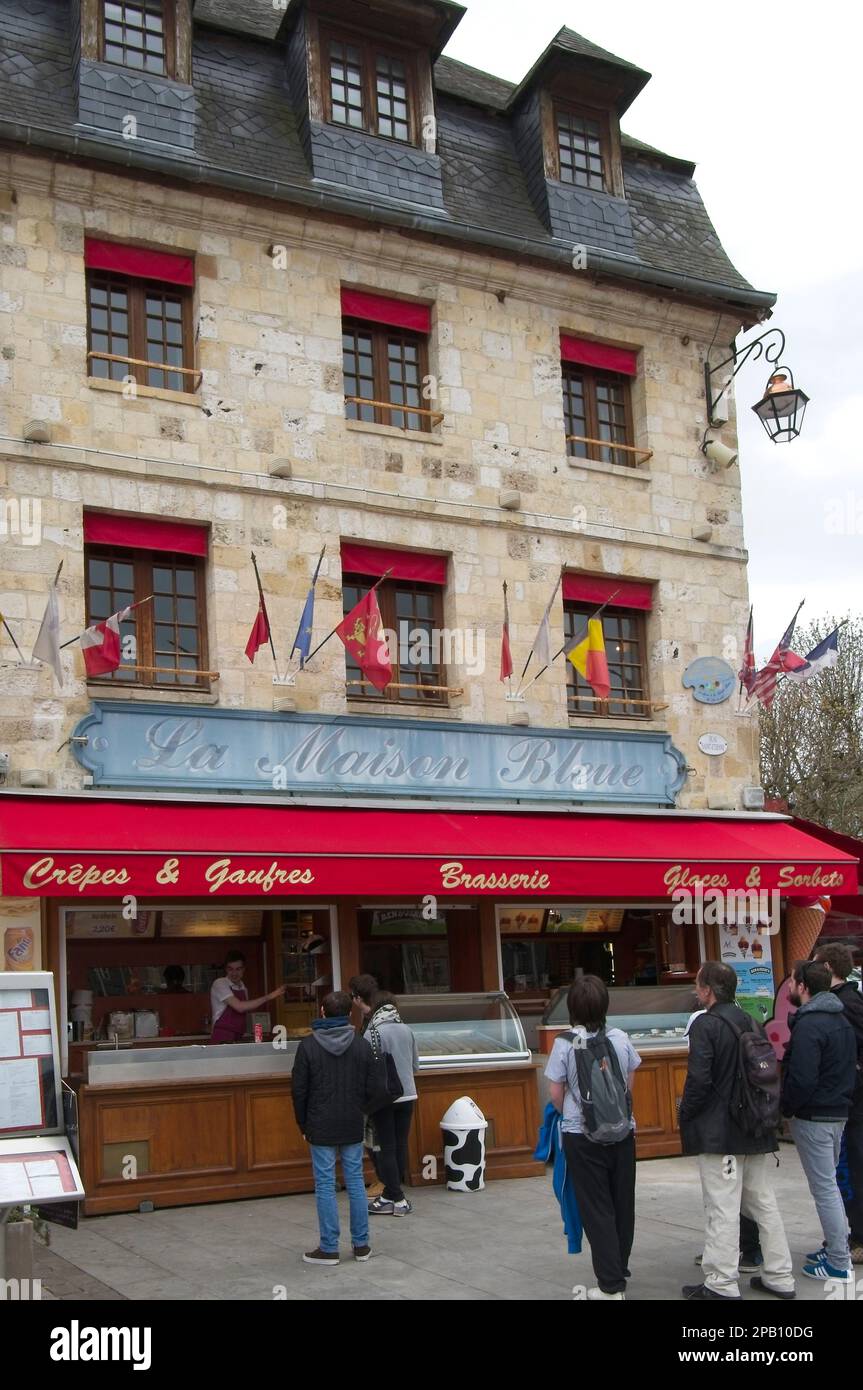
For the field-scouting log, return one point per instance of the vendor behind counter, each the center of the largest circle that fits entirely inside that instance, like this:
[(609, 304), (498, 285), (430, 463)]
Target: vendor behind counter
[(230, 1002)]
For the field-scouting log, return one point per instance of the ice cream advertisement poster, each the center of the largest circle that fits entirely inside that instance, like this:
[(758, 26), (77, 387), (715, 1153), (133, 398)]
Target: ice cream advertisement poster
[(748, 951)]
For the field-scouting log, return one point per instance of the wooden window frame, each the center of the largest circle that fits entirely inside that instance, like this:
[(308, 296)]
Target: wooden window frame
[(386, 595), (137, 290), (380, 334), (370, 50), (143, 563), (598, 452), (169, 33), (606, 144), (581, 707)]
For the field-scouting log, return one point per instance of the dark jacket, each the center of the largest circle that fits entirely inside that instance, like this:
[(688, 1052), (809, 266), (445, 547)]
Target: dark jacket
[(852, 1002), (706, 1124), (819, 1069), (333, 1083)]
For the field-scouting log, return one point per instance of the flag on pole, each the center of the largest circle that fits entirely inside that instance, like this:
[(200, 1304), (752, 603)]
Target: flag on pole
[(47, 645), (589, 659), (260, 633), (783, 659), (541, 648), (303, 639), (362, 632), (748, 670), (821, 658), (101, 644), (505, 652)]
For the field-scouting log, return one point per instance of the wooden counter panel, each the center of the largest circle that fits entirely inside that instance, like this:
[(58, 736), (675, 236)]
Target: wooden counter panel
[(272, 1136), (649, 1097), (184, 1134), (657, 1085)]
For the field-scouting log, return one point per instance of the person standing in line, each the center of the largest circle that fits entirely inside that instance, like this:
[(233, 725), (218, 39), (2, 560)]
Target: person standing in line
[(362, 989), (732, 1164), (819, 1077), (388, 1036), (841, 963), (230, 1002), (602, 1172), (333, 1085)]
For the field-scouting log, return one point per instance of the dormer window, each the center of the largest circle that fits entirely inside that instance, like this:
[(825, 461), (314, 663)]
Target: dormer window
[(136, 35), (582, 147), (369, 88)]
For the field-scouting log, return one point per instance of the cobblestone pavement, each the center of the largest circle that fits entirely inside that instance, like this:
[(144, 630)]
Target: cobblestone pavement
[(503, 1243)]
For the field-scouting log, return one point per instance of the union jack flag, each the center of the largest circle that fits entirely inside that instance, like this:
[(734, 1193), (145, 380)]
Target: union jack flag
[(783, 659)]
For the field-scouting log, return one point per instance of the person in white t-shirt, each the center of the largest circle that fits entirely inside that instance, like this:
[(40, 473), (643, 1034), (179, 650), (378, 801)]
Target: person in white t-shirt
[(230, 1002), (602, 1174)]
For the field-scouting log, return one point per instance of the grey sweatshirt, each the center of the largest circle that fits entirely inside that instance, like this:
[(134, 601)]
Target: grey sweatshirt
[(398, 1040)]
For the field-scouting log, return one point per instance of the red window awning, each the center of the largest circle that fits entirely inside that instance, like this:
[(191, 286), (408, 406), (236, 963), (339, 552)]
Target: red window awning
[(588, 353), (379, 308), (624, 593), (404, 564), (79, 847), (165, 266), (145, 533)]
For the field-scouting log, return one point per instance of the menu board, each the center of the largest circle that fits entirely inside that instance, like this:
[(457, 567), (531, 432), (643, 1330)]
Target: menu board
[(108, 924), (37, 1171), (520, 921), (29, 1065), (586, 919)]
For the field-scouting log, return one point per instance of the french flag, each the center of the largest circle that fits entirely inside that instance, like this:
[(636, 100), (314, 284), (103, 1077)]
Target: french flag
[(821, 658), (102, 644)]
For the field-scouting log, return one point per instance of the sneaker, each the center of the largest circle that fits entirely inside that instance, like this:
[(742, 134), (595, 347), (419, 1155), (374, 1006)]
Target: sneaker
[(381, 1207), (822, 1270), (817, 1256), (596, 1295), (750, 1264), (701, 1294), (402, 1208), (321, 1257), (362, 1253), (759, 1284)]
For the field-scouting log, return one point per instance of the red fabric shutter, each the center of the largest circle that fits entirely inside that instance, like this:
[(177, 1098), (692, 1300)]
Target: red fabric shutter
[(144, 533), (584, 588), (405, 564), (135, 260), (589, 354), (377, 308)]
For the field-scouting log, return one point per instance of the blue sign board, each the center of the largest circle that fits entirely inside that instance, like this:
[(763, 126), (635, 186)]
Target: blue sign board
[(168, 746)]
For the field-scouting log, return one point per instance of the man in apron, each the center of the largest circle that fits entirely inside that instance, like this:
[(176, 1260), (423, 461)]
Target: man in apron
[(230, 1002)]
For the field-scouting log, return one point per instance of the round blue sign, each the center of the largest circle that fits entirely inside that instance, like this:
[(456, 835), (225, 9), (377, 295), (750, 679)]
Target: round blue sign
[(710, 679)]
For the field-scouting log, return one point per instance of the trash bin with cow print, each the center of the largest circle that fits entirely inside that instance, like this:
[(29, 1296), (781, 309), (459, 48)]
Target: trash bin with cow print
[(464, 1126)]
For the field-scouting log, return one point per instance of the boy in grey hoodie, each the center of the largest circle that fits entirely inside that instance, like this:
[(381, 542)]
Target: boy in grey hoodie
[(333, 1088)]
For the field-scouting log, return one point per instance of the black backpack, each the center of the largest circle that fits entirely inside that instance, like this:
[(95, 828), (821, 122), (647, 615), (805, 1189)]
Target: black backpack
[(754, 1101), (606, 1104)]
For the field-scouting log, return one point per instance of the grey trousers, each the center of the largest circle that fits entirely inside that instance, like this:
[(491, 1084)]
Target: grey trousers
[(818, 1144)]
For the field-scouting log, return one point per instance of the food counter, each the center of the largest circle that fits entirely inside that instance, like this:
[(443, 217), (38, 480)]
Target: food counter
[(655, 1018), (183, 1124)]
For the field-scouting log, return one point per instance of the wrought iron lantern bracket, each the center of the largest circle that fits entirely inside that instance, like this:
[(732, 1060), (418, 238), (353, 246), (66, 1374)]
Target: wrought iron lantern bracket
[(771, 351)]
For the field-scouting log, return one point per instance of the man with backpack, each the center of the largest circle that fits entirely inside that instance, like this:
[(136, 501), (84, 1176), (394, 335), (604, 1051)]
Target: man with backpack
[(590, 1074), (729, 1116), (819, 1076)]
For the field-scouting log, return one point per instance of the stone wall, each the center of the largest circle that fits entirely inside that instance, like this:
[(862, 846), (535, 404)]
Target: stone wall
[(269, 348)]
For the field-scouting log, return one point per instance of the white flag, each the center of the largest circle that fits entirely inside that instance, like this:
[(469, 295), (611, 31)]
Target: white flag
[(47, 646), (541, 648)]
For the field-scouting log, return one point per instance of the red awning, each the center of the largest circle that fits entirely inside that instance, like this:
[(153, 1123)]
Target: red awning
[(145, 533), (623, 593), (166, 266), (590, 354), (379, 308), (404, 564), (54, 846)]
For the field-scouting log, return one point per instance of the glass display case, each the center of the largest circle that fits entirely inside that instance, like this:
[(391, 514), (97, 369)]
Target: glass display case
[(457, 1030), (652, 1015)]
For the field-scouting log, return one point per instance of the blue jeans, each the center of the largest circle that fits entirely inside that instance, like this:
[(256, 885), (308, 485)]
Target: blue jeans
[(818, 1145), (324, 1169)]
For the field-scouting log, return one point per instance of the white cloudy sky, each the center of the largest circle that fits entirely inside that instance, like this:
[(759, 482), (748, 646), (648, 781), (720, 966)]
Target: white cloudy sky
[(765, 99)]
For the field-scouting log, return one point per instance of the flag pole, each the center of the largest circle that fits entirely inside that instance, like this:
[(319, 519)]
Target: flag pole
[(530, 653), (104, 620), (266, 614), (338, 625), (590, 619), (314, 582), (12, 635)]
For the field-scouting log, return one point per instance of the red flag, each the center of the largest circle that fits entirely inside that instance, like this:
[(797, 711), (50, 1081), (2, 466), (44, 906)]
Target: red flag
[(260, 634), (101, 644), (362, 632), (748, 670), (505, 653)]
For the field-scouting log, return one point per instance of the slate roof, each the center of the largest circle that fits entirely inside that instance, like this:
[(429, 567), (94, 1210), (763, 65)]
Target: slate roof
[(248, 137)]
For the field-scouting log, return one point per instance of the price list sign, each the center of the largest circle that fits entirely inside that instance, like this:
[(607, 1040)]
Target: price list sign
[(29, 1063)]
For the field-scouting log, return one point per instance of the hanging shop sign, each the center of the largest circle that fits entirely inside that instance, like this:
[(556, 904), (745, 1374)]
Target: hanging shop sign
[(156, 745), (710, 679)]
